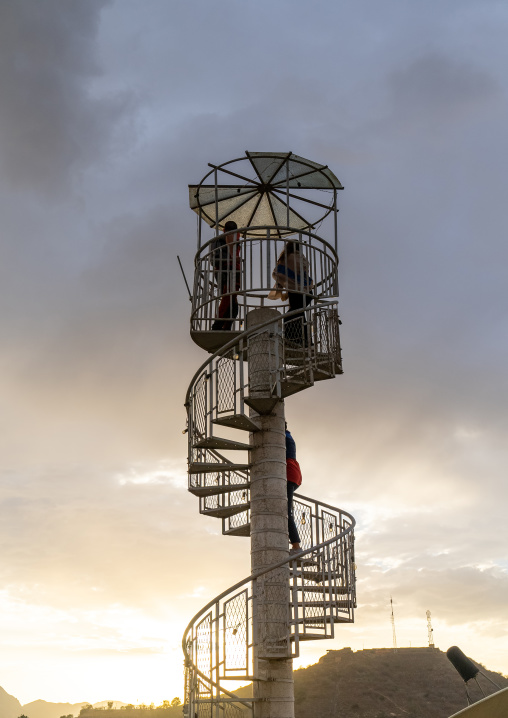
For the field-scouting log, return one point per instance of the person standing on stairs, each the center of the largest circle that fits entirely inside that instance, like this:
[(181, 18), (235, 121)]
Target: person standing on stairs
[(294, 480), (227, 262)]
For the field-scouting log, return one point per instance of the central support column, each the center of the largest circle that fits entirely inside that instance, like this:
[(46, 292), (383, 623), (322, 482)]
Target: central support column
[(273, 687)]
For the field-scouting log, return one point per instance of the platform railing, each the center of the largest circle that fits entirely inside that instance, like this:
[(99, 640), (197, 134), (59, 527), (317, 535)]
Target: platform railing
[(257, 259)]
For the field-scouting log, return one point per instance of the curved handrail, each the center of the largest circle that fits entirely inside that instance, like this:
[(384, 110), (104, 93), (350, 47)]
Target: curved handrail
[(253, 576), (248, 332), (272, 567), (210, 687), (286, 238)]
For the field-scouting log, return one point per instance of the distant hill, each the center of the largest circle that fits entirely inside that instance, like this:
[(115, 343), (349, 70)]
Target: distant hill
[(375, 683), (43, 709), (382, 683), (10, 707)]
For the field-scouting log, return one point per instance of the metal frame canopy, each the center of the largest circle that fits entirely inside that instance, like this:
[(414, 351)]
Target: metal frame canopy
[(256, 191)]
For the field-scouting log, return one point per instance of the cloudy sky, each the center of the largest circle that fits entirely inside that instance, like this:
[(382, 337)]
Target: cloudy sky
[(109, 109)]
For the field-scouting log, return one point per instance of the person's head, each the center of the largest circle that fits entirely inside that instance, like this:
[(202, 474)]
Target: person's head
[(230, 226), (289, 248)]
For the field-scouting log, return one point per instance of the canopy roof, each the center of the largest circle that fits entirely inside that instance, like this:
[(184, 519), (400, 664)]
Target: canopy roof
[(266, 183)]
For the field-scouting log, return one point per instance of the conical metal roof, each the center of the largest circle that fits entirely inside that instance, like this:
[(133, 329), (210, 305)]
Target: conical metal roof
[(264, 188)]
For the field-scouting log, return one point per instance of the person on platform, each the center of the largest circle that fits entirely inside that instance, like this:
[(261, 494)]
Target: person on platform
[(294, 479), (292, 279), (227, 264)]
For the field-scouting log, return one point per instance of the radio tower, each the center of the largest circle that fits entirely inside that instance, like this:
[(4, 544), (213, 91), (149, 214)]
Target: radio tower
[(393, 627), (430, 631)]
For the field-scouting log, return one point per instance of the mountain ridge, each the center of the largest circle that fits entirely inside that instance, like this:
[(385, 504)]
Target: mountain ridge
[(372, 683)]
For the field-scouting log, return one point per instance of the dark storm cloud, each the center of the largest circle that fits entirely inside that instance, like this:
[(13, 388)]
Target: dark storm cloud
[(96, 354), (51, 124), (436, 88)]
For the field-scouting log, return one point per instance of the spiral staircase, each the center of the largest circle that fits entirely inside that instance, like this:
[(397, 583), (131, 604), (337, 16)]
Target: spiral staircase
[(223, 416)]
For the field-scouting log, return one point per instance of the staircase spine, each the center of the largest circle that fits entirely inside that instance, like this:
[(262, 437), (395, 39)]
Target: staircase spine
[(218, 642)]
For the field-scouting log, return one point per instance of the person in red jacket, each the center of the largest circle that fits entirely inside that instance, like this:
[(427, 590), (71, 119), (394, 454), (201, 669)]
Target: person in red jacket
[(294, 480)]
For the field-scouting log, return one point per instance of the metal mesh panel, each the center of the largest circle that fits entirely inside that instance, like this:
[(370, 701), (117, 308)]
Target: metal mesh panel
[(235, 632), (200, 395), (330, 527), (302, 516), (225, 385), (239, 520), (233, 711), (204, 648)]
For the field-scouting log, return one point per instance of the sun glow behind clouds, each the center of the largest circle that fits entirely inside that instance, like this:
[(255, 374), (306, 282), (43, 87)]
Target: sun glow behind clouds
[(166, 472), (135, 657)]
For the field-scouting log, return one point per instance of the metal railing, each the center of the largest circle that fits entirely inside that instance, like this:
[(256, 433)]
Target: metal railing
[(218, 643), (250, 280)]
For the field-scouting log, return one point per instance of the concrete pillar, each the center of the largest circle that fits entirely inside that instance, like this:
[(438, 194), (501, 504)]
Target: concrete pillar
[(273, 687)]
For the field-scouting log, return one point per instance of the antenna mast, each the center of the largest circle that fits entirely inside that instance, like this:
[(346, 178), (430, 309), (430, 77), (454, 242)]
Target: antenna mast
[(393, 626), (430, 631)]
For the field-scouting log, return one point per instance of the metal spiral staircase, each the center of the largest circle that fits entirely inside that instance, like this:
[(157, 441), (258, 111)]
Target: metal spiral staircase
[(224, 413)]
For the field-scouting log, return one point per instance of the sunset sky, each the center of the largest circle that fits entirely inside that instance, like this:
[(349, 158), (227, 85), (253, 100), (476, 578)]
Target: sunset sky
[(109, 109)]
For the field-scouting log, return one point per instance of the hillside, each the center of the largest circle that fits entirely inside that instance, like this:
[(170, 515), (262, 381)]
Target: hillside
[(381, 683), (43, 709), (10, 707), (375, 683)]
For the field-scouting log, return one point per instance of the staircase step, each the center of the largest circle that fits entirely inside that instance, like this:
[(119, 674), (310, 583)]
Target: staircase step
[(218, 489), (331, 590), (237, 421), (200, 467), (305, 561), (211, 341), (320, 620), (216, 442), (316, 576), (261, 405), (322, 374), (288, 388), (310, 637), (223, 512), (332, 604), (238, 531)]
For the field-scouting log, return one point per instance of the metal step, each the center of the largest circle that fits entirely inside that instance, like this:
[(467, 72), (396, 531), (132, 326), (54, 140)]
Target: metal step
[(329, 604), (331, 590), (316, 576), (310, 637), (223, 512), (320, 620), (289, 388), (200, 467), (216, 442), (237, 421), (238, 531), (211, 341), (261, 405), (305, 563), (218, 489), (322, 375)]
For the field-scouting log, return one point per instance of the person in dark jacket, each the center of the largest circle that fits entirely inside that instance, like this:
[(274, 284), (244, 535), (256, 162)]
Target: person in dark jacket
[(228, 270), (294, 479)]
